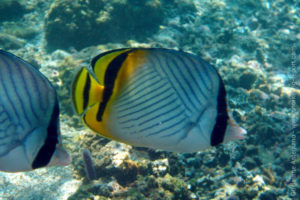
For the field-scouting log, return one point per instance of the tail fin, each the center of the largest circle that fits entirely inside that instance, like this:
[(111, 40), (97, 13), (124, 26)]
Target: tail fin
[(234, 132), (60, 157)]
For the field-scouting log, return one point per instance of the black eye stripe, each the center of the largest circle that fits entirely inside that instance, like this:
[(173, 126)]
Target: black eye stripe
[(109, 81), (86, 90)]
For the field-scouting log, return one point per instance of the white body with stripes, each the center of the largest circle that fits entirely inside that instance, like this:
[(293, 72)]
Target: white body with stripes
[(169, 103), (27, 101)]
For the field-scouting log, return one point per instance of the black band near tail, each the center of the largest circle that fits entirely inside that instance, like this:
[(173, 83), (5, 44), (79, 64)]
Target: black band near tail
[(109, 81), (219, 130), (45, 154)]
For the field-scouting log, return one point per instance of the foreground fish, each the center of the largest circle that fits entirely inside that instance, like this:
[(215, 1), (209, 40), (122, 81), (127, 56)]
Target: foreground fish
[(29, 118), (155, 98)]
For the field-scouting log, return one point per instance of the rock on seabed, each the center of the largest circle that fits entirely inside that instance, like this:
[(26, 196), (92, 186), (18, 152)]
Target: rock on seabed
[(82, 23)]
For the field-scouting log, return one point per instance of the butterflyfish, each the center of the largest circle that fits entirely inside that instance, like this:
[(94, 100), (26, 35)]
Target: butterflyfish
[(157, 98), (30, 135)]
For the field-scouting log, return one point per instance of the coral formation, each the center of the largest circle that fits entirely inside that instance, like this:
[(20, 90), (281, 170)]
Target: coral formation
[(10, 42), (11, 9), (83, 23)]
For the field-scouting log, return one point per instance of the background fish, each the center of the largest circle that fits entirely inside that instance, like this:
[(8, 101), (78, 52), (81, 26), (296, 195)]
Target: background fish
[(29, 118), (155, 98)]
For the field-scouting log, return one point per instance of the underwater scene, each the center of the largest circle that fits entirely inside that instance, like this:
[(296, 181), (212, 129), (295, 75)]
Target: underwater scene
[(149, 99)]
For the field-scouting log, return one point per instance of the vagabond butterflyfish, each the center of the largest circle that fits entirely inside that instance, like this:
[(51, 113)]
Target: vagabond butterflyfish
[(29, 118), (157, 98)]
